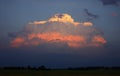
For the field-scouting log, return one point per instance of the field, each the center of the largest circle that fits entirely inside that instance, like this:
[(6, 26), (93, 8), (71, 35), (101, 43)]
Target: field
[(60, 72)]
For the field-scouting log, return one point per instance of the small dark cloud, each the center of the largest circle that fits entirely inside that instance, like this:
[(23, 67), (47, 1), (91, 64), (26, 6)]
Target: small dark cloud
[(12, 35), (90, 16), (110, 2)]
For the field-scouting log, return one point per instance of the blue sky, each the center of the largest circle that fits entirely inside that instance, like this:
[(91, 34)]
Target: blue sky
[(15, 14)]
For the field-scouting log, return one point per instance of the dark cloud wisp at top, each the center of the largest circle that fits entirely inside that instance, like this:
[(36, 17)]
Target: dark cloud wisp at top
[(110, 2)]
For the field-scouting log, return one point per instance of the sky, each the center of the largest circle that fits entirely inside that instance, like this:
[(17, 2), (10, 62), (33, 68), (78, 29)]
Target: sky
[(59, 33)]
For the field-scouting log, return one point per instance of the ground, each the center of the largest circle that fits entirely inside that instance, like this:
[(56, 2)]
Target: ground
[(60, 72)]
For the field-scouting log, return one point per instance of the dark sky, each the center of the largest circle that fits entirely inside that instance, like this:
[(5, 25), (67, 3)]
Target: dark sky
[(59, 33)]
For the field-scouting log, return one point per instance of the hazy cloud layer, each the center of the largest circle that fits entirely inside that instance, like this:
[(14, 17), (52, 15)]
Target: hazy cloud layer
[(61, 29)]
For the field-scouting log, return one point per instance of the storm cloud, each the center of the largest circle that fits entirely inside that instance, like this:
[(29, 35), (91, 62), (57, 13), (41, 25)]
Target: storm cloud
[(60, 29)]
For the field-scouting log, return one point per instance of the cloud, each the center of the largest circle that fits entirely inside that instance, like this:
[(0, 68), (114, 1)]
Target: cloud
[(12, 35), (60, 29), (114, 14), (110, 2), (90, 16)]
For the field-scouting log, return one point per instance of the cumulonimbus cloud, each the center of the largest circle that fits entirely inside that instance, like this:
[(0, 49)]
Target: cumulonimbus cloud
[(61, 28)]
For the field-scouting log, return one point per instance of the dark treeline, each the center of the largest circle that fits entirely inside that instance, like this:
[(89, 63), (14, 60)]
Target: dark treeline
[(25, 68), (95, 68), (69, 68)]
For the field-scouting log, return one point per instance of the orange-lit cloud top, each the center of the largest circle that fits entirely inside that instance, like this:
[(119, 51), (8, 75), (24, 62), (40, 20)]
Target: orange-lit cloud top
[(64, 18), (61, 28)]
